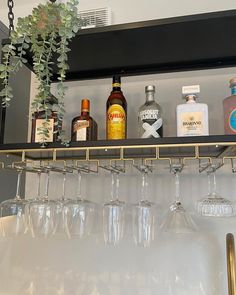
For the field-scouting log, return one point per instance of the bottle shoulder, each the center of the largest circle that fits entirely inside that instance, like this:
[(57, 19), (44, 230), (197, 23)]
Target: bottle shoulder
[(150, 106), (81, 117), (116, 94), (192, 107), (230, 99)]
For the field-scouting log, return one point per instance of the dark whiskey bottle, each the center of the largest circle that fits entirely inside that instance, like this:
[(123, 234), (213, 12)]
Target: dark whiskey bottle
[(116, 112), (42, 123), (84, 127)]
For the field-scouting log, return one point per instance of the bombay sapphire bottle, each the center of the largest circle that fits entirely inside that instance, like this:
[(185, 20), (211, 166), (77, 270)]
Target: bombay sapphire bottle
[(150, 116)]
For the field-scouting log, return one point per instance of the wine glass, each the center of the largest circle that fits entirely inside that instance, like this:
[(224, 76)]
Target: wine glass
[(78, 214), (27, 210), (213, 204), (13, 218), (143, 216), (44, 214), (177, 219), (60, 227), (113, 214)]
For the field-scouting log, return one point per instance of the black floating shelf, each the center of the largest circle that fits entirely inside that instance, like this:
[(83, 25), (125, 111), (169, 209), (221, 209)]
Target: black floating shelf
[(174, 44), (212, 146)]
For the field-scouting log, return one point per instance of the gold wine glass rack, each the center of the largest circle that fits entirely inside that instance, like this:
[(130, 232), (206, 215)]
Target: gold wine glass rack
[(94, 156)]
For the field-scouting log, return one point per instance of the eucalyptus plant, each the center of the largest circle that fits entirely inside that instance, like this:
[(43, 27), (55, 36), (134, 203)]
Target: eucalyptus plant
[(45, 33)]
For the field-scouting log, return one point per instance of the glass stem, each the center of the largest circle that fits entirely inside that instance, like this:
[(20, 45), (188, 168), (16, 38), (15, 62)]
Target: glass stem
[(214, 183), (64, 186), (177, 188), (47, 185), (18, 184), (114, 185), (79, 185), (39, 182), (117, 186), (144, 193), (209, 183)]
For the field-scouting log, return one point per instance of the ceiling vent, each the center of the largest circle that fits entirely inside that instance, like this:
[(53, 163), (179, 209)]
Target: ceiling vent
[(96, 17)]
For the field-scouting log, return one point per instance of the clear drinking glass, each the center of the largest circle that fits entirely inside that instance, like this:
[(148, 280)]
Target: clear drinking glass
[(113, 214), (177, 219), (213, 204), (78, 215), (143, 216), (13, 218), (44, 214)]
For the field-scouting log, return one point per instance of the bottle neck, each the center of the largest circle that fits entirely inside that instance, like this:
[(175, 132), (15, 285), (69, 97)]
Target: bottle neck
[(84, 112), (116, 86), (150, 96), (233, 90), (190, 99)]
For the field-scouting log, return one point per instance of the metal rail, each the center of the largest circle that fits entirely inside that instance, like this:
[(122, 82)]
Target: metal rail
[(231, 267)]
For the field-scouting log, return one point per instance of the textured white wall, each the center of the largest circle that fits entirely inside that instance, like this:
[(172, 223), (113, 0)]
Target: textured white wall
[(174, 264), (130, 11)]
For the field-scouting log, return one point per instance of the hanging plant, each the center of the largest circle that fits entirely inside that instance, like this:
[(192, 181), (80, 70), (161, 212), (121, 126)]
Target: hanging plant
[(46, 32)]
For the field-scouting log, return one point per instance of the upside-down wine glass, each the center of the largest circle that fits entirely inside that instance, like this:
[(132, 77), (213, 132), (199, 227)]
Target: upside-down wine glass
[(13, 218), (27, 210), (78, 214), (113, 214), (177, 219), (143, 216), (44, 214), (60, 227), (213, 204)]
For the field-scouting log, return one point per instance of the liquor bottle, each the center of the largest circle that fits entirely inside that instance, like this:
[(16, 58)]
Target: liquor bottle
[(150, 116), (84, 127), (41, 123), (192, 117), (229, 105), (116, 112)]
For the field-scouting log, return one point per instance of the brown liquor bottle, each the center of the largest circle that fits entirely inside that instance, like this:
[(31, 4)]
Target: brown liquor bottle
[(84, 127), (51, 124), (116, 115)]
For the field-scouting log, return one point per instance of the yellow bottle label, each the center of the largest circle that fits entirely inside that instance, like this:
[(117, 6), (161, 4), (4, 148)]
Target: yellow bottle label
[(116, 122)]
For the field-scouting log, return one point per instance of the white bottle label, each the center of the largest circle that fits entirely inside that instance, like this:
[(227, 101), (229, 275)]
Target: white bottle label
[(40, 124), (149, 115), (151, 130), (191, 123), (80, 128)]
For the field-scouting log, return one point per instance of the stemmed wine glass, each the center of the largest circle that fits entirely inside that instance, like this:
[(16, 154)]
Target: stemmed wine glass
[(113, 214), (213, 204), (44, 214), (13, 218), (60, 227), (78, 214), (178, 220), (143, 216), (27, 210)]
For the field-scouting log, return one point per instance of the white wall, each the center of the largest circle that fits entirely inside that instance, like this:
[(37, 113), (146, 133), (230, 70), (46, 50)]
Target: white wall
[(174, 265), (130, 11)]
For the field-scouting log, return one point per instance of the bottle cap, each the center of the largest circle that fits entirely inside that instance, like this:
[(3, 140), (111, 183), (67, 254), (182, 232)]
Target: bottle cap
[(150, 88), (232, 82), (85, 105), (190, 90)]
